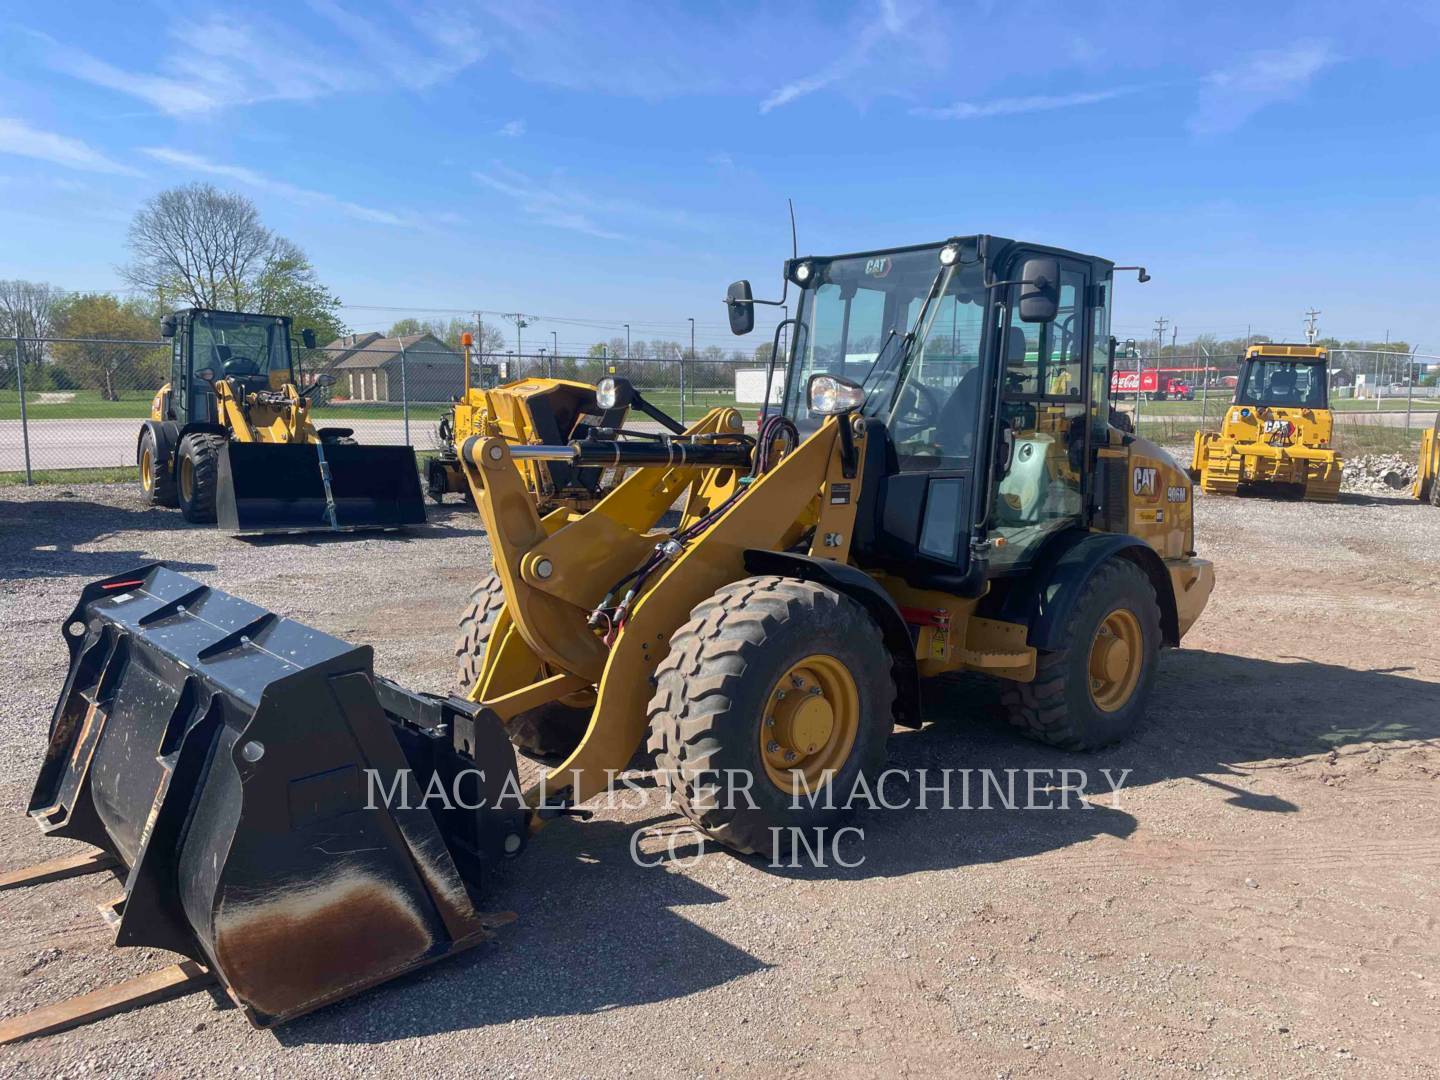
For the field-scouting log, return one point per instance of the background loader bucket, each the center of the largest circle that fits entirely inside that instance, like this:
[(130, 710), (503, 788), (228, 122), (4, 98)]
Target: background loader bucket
[(279, 487), (237, 764)]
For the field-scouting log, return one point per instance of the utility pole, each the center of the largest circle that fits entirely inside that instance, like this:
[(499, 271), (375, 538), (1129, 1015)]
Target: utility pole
[(1312, 331), (520, 322), (627, 341), (554, 348)]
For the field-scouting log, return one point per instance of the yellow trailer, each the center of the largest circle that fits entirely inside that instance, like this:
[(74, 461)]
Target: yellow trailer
[(1428, 468)]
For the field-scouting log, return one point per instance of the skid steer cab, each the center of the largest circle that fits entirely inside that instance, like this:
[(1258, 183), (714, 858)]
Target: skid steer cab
[(525, 412), (230, 440), (1278, 434)]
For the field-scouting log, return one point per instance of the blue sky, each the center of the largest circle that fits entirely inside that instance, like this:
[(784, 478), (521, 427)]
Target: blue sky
[(623, 162)]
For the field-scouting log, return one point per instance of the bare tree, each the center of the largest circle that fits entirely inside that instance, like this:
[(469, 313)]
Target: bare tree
[(29, 310), (202, 246)]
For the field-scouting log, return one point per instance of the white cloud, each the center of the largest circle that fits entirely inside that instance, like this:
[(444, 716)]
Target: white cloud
[(554, 205), (975, 110), (1230, 96), (290, 192), (512, 130), (889, 24), (223, 61), (19, 138)]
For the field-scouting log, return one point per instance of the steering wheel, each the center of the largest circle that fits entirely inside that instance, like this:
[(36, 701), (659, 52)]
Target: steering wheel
[(240, 365), (917, 408)]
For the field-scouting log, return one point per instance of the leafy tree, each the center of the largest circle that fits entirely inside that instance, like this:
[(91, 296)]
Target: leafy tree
[(110, 361)]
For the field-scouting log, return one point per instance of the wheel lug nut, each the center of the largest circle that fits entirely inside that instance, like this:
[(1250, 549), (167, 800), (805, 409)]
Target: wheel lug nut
[(789, 755), (772, 747)]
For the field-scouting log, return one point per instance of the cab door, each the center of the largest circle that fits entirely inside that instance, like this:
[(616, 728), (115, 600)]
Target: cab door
[(1039, 485)]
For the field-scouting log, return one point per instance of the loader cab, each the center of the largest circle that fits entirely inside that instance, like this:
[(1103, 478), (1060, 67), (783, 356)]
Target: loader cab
[(991, 408), (250, 350), (1283, 376)]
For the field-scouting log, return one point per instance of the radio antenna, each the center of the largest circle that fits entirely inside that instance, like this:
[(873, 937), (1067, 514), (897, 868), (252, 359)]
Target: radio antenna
[(794, 237)]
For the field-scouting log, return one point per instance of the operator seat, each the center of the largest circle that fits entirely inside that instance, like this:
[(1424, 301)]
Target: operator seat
[(1282, 387)]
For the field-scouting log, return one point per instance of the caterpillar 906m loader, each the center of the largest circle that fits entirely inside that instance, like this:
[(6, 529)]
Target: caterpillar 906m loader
[(929, 498), (1279, 432), (529, 411), (229, 438)]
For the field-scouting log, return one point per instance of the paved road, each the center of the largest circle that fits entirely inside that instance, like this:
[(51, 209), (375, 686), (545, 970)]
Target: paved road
[(75, 444)]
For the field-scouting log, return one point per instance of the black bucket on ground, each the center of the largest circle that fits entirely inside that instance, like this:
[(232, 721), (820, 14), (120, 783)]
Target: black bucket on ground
[(280, 488), (272, 802)]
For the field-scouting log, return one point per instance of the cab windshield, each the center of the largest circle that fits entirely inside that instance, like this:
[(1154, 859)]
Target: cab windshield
[(1276, 381), (908, 329), (240, 344)]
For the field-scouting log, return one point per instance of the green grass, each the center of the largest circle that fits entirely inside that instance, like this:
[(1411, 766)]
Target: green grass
[(110, 474)]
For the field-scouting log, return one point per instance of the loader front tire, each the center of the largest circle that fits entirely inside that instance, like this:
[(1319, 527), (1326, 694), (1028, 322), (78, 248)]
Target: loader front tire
[(1094, 691), (197, 476), (773, 685), (157, 483), (552, 730)]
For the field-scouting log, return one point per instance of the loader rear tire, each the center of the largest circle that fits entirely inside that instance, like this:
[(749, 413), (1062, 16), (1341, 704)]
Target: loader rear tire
[(1094, 691), (198, 472), (552, 730), (727, 673), (157, 483)]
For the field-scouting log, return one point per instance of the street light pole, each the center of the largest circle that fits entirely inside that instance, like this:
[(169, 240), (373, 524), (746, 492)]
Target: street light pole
[(627, 341), (682, 370), (554, 347)]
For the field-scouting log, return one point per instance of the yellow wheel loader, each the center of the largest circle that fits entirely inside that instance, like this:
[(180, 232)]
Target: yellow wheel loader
[(1427, 469), (529, 411), (229, 438), (1279, 432), (929, 498)]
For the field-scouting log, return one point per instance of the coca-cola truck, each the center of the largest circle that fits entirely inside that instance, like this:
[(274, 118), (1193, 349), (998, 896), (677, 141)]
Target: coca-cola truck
[(1154, 384)]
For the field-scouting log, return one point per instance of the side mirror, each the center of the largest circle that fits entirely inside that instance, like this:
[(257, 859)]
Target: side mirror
[(740, 304), (1039, 290), (167, 326), (206, 374), (307, 338), (325, 379)]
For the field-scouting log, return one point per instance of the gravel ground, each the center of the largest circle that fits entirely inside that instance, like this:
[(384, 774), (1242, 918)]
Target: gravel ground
[(1260, 899)]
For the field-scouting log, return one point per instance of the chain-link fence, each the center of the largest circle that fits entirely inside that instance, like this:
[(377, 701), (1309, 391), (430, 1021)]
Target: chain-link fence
[(1381, 400), (71, 409)]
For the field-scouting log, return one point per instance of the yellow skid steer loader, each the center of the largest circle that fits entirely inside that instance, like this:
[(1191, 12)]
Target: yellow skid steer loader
[(929, 498), (229, 439)]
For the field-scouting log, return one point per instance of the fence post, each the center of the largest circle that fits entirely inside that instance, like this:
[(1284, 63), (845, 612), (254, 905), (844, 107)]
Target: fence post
[(1409, 387), (682, 389), (404, 395), (24, 420)]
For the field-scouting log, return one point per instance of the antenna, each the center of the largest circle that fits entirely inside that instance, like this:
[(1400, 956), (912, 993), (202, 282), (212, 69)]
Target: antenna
[(794, 236)]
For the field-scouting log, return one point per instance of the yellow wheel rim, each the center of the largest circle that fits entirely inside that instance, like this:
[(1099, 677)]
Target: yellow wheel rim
[(1116, 656), (187, 479), (810, 721), (147, 470)]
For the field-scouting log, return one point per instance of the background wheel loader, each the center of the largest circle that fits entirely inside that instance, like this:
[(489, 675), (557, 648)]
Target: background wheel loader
[(1427, 468), (1278, 434), (229, 439), (929, 498)]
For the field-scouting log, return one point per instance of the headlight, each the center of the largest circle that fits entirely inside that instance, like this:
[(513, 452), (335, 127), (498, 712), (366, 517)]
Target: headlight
[(948, 254), (803, 272), (613, 392), (830, 395)]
